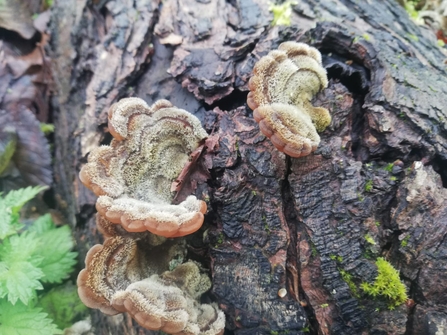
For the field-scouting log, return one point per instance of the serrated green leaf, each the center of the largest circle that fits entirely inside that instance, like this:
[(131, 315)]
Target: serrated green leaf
[(19, 271), (63, 305), (19, 319), (42, 224), (10, 206), (54, 248), (58, 261), (17, 198), (7, 227), (19, 248), (9, 224), (3, 270), (20, 282)]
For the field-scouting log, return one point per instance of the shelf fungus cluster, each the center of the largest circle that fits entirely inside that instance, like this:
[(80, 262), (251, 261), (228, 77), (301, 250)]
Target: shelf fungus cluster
[(133, 270), (281, 89)]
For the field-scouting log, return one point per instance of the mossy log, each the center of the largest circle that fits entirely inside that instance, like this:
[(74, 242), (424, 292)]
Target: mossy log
[(314, 226)]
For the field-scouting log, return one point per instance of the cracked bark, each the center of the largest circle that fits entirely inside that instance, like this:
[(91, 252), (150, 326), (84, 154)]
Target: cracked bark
[(276, 222)]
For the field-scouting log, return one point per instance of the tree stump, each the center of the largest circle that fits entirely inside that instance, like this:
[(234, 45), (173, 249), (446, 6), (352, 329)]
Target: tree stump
[(312, 226)]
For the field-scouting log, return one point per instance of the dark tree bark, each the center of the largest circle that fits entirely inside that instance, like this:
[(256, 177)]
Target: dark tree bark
[(277, 222)]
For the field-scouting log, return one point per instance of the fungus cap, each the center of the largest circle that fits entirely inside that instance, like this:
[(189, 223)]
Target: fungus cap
[(116, 280), (133, 175), (281, 88)]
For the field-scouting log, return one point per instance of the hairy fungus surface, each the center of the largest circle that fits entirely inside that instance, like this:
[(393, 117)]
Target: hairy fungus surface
[(281, 89), (102, 262), (128, 273), (133, 176), (165, 302)]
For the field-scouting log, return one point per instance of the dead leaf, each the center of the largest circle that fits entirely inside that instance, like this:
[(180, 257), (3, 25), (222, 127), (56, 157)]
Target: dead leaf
[(32, 155), (25, 76), (193, 173), (16, 16), (42, 20)]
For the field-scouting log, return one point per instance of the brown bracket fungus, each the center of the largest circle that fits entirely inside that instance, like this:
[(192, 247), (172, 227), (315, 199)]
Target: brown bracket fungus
[(167, 302), (129, 272), (122, 275), (133, 176), (281, 89)]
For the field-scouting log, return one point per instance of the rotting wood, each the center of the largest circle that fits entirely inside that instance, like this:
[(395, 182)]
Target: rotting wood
[(387, 96)]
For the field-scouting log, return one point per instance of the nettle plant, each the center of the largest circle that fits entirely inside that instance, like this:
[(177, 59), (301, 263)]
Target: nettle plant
[(32, 255)]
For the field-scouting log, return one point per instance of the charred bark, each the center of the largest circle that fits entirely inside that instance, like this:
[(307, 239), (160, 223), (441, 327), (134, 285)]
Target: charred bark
[(277, 222)]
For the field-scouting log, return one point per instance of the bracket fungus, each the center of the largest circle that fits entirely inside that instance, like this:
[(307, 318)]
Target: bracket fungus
[(130, 272), (281, 89), (133, 176)]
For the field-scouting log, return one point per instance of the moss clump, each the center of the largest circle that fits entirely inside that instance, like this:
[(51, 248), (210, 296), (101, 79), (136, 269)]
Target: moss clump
[(282, 13), (220, 240), (336, 258), (366, 37), (347, 277), (389, 167), (387, 284), (404, 242), (370, 239), (369, 186)]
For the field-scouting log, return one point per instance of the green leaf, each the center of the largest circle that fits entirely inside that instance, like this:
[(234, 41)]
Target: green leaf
[(10, 206), (19, 319), (7, 226), (20, 281), (19, 271), (42, 224), (63, 305), (9, 223), (54, 248), (19, 248), (16, 199)]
